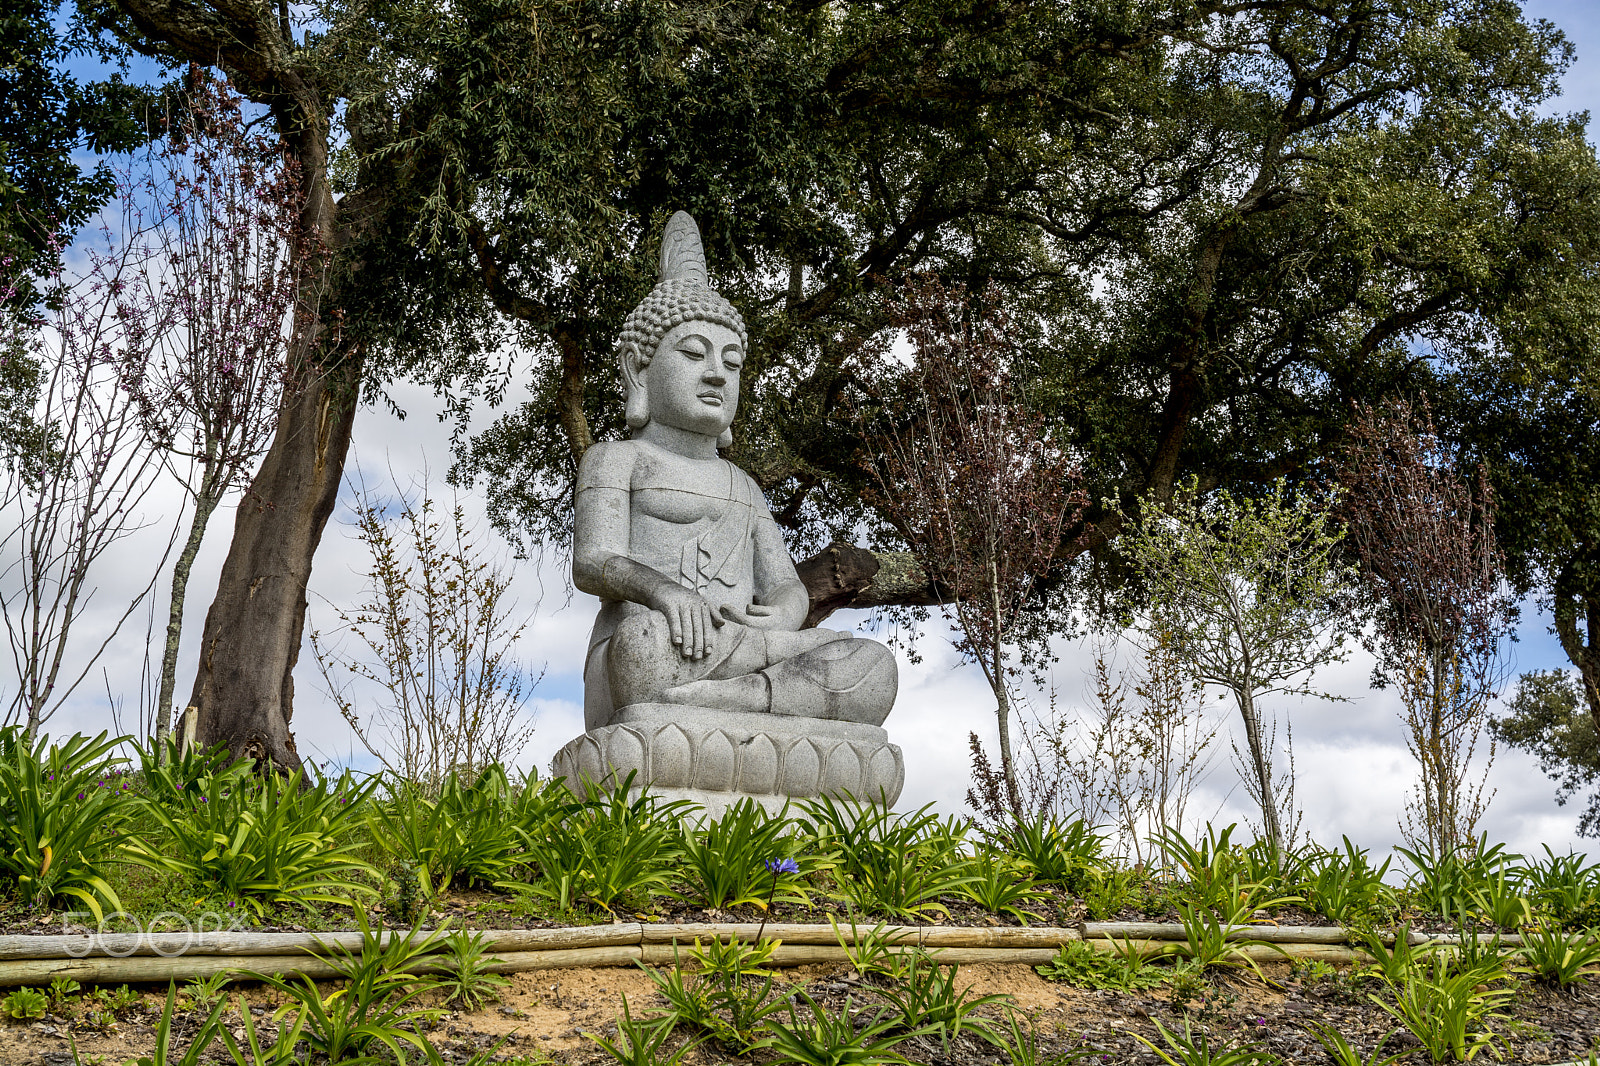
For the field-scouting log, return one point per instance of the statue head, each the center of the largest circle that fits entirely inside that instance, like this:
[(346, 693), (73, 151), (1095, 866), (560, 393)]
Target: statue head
[(665, 320)]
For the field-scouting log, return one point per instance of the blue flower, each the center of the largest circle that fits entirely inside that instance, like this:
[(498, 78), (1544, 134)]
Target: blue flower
[(783, 866)]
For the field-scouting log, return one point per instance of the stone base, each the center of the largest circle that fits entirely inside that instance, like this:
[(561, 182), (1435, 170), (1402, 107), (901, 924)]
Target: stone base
[(716, 758)]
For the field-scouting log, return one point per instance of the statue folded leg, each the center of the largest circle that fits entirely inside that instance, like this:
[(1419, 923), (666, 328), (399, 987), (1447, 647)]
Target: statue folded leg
[(814, 673)]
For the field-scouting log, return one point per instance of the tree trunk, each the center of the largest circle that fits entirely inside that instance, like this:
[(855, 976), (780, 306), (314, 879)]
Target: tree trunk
[(843, 575), (244, 688), (205, 502), (1582, 646), (1263, 769)]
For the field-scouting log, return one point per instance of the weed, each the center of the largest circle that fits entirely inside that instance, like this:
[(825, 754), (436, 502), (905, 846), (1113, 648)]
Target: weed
[(1001, 885), (818, 1038), (1123, 969), (25, 1004), (641, 1043), (206, 992), (465, 982), (930, 1000), (1107, 891), (62, 989), (1196, 1049)]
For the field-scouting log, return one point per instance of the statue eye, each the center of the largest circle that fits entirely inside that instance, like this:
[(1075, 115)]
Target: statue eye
[(733, 358), (694, 347)]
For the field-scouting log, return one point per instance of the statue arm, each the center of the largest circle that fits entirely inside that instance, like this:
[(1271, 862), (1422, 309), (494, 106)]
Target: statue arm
[(778, 585), (601, 561)]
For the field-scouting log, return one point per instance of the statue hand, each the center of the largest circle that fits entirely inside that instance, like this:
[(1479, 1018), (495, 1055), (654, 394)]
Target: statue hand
[(756, 616), (691, 619)]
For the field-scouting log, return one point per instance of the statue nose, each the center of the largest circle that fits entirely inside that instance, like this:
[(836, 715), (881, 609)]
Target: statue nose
[(715, 375)]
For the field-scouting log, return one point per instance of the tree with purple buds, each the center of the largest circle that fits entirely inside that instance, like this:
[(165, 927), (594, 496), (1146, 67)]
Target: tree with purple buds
[(208, 385)]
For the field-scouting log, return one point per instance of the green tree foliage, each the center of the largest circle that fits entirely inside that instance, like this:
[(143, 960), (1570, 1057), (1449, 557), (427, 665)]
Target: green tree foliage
[(49, 117), (1547, 718), (1216, 225)]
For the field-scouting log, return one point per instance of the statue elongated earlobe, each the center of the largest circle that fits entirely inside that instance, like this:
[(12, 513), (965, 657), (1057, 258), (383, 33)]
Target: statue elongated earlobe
[(726, 439), (637, 409)]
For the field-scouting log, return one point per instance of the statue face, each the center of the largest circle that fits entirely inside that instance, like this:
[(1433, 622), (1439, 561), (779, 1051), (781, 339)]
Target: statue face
[(693, 378)]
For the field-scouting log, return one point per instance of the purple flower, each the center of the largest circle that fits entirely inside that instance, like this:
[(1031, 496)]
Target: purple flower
[(783, 866), (80, 795)]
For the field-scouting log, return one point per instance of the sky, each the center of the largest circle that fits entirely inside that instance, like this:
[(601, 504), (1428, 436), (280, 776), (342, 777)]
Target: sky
[(1353, 770)]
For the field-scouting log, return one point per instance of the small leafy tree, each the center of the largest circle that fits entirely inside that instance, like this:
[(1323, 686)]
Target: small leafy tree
[(439, 628), (973, 481), (217, 301), (1249, 595), (1432, 572)]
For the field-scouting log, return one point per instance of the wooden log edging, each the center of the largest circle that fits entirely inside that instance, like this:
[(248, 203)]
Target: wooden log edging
[(132, 958)]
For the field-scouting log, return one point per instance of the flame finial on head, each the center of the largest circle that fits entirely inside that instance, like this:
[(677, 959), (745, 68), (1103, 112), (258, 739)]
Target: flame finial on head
[(682, 255)]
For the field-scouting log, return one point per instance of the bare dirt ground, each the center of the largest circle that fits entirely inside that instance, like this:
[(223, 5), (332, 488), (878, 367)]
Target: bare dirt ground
[(543, 1017)]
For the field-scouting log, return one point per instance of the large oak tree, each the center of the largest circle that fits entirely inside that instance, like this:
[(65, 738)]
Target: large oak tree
[(1218, 223)]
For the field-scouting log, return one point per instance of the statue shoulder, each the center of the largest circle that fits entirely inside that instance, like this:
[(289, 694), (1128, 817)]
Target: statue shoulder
[(608, 464), (752, 492)]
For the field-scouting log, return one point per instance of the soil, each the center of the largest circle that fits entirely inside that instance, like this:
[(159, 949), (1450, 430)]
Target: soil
[(544, 1015)]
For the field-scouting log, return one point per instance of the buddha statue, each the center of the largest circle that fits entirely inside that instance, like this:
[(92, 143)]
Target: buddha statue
[(697, 656)]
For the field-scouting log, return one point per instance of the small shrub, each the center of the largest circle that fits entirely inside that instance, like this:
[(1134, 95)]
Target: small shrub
[(606, 848), (1344, 885), (1558, 958), (893, 864), (1001, 886), (725, 862), (815, 1037), (67, 808), (929, 1000), (262, 840), (1062, 853), (465, 835), (375, 1007), (1450, 1013)]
